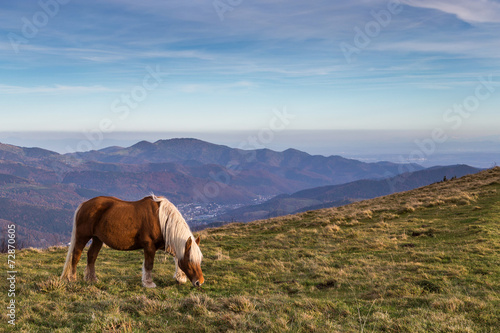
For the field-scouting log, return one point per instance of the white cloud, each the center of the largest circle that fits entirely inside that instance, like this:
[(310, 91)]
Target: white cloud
[(476, 11), (56, 89)]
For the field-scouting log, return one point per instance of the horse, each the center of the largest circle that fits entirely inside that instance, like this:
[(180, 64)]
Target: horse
[(150, 224)]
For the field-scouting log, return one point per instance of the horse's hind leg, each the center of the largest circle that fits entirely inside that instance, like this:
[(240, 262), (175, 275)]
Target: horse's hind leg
[(147, 268), (92, 253), (77, 253)]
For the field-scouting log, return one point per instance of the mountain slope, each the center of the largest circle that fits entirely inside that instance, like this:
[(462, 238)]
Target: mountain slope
[(421, 261), (338, 195), (25, 155)]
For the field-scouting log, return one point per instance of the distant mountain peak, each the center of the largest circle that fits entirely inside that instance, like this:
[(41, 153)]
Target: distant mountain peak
[(180, 140), (294, 151), (185, 142), (110, 149), (144, 145)]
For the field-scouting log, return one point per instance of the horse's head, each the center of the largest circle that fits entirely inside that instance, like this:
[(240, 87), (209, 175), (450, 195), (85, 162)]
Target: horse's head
[(191, 262)]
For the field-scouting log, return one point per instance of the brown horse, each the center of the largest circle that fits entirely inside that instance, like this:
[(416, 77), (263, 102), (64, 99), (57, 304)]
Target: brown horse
[(150, 224)]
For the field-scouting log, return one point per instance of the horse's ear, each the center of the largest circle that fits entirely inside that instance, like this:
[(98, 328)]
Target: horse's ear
[(198, 240), (188, 244)]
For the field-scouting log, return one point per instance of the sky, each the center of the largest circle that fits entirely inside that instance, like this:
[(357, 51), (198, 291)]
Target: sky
[(423, 70)]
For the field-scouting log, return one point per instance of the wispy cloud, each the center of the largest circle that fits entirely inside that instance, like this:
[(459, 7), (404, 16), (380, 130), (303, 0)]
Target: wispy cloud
[(56, 89), (451, 46), (283, 52), (472, 11), (109, 54)]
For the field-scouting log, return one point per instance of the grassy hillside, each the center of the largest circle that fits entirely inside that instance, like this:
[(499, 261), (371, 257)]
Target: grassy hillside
[(426, 260)]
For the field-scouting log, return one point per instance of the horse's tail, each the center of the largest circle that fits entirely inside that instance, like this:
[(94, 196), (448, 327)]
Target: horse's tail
[(69, 256)]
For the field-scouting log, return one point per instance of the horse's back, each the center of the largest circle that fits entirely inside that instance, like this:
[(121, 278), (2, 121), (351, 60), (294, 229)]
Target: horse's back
[(92, 210), (96, 207)]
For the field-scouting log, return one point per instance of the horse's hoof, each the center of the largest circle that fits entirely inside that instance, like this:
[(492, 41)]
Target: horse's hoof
[(149, 284), (91, 279)]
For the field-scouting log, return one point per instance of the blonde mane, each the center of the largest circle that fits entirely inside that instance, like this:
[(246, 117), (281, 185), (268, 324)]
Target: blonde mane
[(176, 231)]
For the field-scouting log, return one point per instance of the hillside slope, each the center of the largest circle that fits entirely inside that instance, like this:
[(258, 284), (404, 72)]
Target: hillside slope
[(425, 260), (339, 195)]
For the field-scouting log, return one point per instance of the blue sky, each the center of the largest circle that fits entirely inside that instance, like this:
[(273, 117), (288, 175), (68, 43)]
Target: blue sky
[(227, 64)]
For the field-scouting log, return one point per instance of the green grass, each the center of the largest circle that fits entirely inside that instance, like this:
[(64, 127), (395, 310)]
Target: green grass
[(421, 261)]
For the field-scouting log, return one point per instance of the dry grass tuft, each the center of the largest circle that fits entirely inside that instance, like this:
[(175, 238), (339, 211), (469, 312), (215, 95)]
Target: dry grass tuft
[(388, 216), (34, 250), (200, 305), (52, 284), (353, 222), (240, 304), (332, 228), (219, 255), (365, 214), (150, 307), (434, 203), (406, 209), (452, 304), (280, 237), (381, 225)]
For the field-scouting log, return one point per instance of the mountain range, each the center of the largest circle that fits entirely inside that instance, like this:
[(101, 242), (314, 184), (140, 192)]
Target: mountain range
[(39, 189), (188, 170)]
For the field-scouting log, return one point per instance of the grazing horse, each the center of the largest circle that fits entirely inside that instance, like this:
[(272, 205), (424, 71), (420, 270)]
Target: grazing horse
[(150, 224)]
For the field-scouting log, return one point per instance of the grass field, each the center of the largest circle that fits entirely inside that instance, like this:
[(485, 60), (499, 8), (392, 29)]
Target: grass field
[(427, 260)]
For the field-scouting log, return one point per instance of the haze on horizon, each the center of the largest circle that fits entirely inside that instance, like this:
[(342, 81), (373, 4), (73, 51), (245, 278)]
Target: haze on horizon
[(340, 77)]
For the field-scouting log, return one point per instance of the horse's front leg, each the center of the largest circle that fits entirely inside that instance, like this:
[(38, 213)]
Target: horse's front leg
[(179, 274), (147, 268)]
